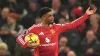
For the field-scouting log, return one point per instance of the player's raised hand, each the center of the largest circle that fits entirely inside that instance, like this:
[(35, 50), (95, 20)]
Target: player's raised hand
[(90, 12)]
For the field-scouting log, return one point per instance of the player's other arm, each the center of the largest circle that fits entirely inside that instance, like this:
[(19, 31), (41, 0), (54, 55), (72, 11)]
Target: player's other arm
[(20, 38), (80, 20)]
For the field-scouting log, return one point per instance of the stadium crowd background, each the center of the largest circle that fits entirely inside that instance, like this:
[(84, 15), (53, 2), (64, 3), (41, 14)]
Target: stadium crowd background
[(17, 15)]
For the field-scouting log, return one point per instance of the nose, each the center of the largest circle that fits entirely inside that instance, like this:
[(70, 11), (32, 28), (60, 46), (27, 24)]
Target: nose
[(52, 17)]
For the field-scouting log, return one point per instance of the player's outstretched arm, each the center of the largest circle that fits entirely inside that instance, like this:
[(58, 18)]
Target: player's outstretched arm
[(80, 20), (90, 12)]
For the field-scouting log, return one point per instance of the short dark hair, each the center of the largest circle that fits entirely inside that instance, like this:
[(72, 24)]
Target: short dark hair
[(43, 11)]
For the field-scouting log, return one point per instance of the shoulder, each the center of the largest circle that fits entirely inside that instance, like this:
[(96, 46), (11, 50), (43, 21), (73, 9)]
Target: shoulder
[(34, 26), (60, 24)]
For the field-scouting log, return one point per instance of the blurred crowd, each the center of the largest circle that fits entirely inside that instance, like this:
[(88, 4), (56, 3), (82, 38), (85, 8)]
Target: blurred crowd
[(18, 15)]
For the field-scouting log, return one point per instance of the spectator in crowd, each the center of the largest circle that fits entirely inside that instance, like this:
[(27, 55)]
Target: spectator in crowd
[(31, 16), (45, 3), (63, 46), (19, 51), (95, 24), (97, 4), (74, 8), (3, 18), (4, 13), (4, 49), (64, 2), (55, 7), (12, 29), (62, 13), (62, 20), (85, 4), (15, 6), (24, 2), (12, 24), (76, 12), (71, 53), (90, 45), (38, 20), (74, 40)]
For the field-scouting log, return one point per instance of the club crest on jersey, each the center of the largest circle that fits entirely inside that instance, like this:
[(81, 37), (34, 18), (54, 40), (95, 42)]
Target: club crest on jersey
[(52, 31), (47, 39)]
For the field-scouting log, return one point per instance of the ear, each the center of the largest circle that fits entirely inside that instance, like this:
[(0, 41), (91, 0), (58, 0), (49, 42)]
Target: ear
[(42, 17)]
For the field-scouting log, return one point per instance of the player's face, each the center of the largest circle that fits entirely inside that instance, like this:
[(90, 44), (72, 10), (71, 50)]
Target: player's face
[(49, 18)]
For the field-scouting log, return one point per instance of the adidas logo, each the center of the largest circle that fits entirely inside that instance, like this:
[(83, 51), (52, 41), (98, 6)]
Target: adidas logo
[(41, 33)]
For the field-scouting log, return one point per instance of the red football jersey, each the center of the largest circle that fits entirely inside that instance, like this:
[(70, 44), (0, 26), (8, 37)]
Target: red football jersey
[(49, 36)]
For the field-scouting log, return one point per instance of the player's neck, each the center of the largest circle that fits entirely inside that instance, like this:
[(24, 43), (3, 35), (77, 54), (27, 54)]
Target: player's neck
[(45, 24)]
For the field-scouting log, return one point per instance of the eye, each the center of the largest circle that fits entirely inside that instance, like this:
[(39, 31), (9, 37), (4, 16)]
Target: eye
[(50, 15)]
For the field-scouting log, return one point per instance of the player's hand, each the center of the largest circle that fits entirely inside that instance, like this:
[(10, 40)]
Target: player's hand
[(32, 45), (92, 11)]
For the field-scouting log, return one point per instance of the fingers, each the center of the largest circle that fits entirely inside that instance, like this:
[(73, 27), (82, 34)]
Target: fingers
[(88, 8), (94, 10)]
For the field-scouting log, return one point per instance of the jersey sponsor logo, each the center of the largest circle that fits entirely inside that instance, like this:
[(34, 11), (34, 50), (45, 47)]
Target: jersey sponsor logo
[(47, 39), (61, 24), (49, 44), (41, 33)]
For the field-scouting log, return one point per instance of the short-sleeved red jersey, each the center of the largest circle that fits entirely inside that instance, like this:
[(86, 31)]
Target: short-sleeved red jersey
[(49, 36)]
